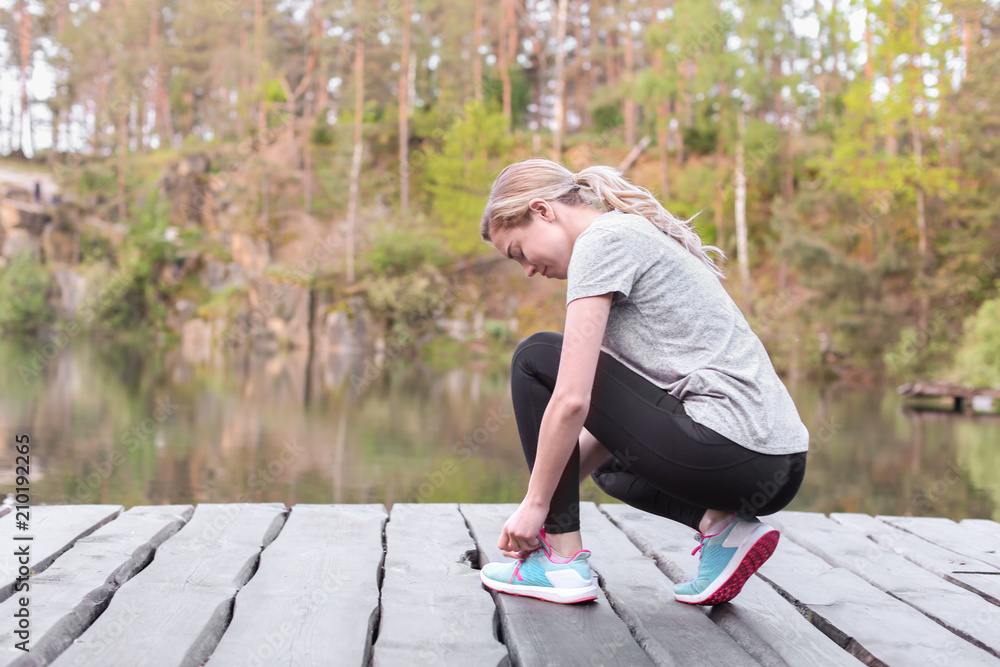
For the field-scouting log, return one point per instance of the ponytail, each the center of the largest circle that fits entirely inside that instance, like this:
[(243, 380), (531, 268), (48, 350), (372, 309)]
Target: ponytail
[(599, 187), (614, 192)]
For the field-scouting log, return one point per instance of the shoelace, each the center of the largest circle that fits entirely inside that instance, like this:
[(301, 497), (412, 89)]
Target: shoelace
[(517, 566), (702, 538), (701, 542)]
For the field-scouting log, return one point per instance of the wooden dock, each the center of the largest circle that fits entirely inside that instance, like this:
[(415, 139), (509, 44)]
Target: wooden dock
[(262, 584), (950, 398)]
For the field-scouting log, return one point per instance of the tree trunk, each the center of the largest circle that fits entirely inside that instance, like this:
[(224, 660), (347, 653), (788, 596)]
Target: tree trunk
[(123, 108), (628, 106), (244, 84), (477, 57), (610, 59), (560, 78), (404, 109), (258, 39), (918, 157), (292, 96), (742, 250), (359, 101), (662, 138), (720, 175), (720, 202), (24, 38), (122, 149), (787, 189), (161, 98), (579, 88), (307, 156), (869, 47), (891, 144), (662, 133), (513, 34), (504, 55)]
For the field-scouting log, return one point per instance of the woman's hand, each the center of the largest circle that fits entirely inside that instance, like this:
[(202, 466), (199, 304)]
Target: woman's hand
[(520, 533)]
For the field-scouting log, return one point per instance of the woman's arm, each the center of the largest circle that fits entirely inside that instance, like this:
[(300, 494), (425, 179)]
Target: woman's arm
[(586, 320)]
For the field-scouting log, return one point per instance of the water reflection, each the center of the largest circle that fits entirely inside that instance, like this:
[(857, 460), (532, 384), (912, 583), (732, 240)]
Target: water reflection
[(129, 425)]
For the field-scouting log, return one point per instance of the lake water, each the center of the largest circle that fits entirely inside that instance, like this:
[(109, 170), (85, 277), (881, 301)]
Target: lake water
[(116, 424)]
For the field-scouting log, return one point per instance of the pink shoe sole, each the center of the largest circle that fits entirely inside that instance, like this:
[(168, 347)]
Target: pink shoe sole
[(751, 562)]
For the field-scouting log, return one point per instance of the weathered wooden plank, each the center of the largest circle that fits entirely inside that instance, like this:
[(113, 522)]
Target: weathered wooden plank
[(434, 610), (537, 632), (67, 597), (948, 534), (871, 624), (972, 574), (986, 526), (763, 622), (961, 611), (175, 610), (53, 529), (672, 633), (315, 593)]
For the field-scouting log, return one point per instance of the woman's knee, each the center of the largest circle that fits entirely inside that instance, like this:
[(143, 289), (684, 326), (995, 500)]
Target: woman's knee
[(608, 479), (536, 341)]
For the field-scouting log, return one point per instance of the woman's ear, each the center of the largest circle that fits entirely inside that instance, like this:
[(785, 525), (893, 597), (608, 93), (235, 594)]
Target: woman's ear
[(542, 208)]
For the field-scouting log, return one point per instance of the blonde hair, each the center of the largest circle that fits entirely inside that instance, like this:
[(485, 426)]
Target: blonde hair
[(599, 187)]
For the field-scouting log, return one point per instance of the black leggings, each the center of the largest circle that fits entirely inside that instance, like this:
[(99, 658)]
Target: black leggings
[(662, 461)]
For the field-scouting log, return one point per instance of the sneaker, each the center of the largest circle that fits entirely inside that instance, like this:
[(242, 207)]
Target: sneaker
[(728, 558), (544, 575)]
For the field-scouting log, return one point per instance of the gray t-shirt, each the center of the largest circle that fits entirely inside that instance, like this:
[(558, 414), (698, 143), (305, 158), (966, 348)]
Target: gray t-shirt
[(673, 323)]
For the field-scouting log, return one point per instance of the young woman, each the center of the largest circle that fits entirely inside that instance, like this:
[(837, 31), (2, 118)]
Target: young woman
[(658, 387)]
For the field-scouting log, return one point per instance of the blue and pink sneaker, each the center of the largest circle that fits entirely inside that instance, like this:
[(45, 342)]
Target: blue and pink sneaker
[(728, 558), (545, 575)]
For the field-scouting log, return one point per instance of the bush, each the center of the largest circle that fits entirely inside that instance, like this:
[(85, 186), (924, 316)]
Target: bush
[(398, 252), (94, 247), (407, 303), (977, 361), (916, 352), (24, 286), (700, 140)]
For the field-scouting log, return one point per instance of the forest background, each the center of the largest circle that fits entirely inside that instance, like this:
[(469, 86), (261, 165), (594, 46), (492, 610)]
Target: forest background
[(842, 156)]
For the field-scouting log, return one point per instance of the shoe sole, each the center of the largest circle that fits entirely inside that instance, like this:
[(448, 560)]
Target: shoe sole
[(558, 595), (730, 586)]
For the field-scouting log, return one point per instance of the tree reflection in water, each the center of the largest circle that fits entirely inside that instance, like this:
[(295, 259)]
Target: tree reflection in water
[(288, 429)]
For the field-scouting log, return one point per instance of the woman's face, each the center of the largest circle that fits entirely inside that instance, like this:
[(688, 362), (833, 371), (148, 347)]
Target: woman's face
[(542, 246)]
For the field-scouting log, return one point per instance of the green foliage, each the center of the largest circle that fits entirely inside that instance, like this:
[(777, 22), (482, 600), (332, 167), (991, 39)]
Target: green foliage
[(846, 242), (225, 304), (322, 133), (444, 354), (94, 247), (700, 140), (475, 148), (498, 332), (273, 92), (138, 300), (520, 94), (977, 360), (24, 285), (607, 116), (97, 177), (407, 304), (916, 352), (397, 252)]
